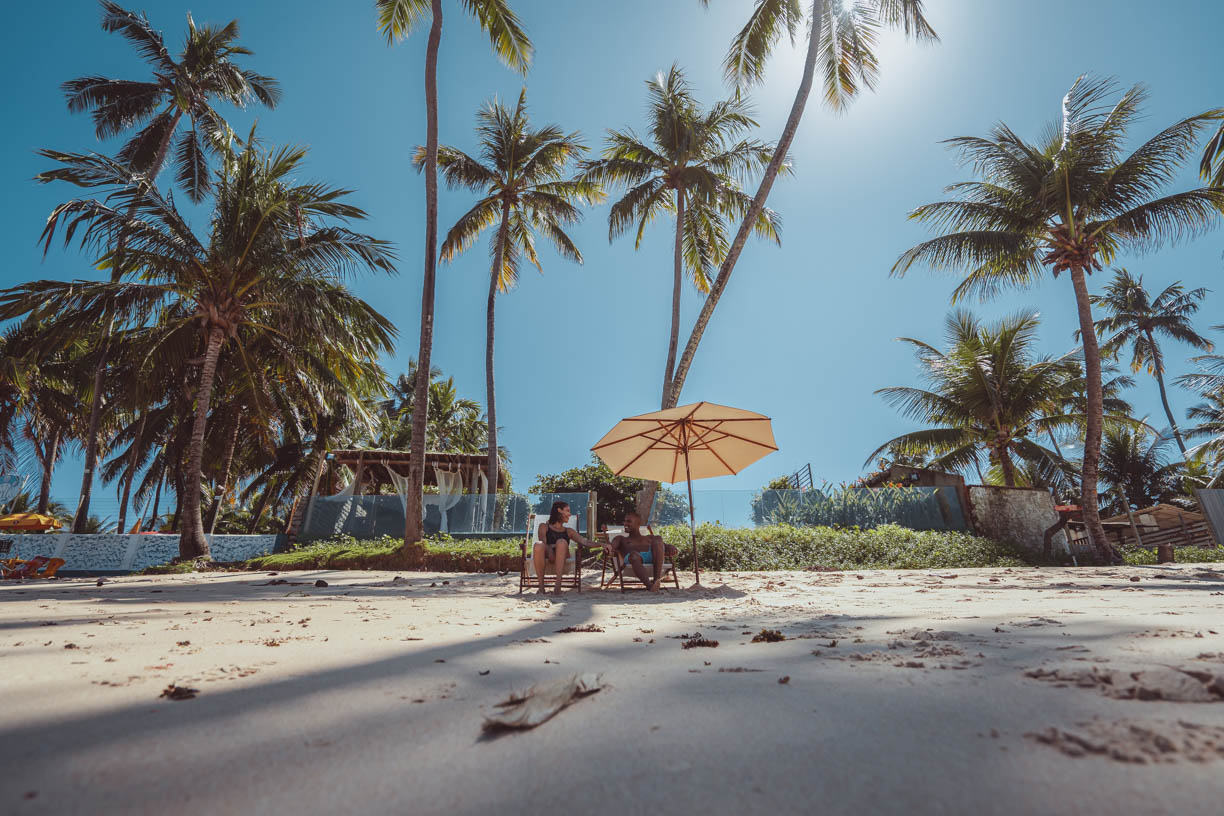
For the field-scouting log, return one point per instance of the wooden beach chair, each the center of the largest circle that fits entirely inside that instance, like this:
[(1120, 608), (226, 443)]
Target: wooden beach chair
[(617, 564), (18, 569), (527, 576)]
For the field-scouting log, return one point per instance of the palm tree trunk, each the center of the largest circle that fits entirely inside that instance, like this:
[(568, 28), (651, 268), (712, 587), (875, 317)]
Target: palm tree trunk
[(49, 458), (677, 289), (758, 205), (413, 527), (156, 502), (260, 507), (91, 439), (499, 258), (192, 543), (1008, 467), (95, 405), (230, 445), (1158, 370), (130, 475), (1092, 432)]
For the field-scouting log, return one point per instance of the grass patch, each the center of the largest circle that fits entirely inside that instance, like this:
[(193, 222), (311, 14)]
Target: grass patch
[(1181, 555), (777, 547), (783, 547), (441, 553)]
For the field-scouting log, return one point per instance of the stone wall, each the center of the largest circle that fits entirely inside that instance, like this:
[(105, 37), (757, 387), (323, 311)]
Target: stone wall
[(129, 553), (1017, 515)]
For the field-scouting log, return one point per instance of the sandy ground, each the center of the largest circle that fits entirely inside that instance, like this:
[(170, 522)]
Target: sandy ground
[(990, 691)]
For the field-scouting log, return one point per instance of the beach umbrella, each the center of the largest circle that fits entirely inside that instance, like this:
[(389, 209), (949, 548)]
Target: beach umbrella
[(690, 442), (34, 522)]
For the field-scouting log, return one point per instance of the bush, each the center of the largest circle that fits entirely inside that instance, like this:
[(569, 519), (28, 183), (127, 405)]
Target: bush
[(441, 553), (1181, 555), (782, 547)]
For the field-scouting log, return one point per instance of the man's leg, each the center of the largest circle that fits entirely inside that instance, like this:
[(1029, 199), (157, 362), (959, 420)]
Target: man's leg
[(657, 554), (634, 560)]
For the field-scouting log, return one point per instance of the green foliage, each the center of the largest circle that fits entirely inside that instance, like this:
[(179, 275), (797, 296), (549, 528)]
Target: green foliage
[(388, 552), (1181, 555), (617, 494), (783, 547), (853, 507)]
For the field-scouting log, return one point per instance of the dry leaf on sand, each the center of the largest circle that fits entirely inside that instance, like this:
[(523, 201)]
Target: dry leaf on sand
[(540, 702)]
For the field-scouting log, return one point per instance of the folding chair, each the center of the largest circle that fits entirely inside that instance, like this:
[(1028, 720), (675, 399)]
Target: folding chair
[(618, 564), (573, 561)]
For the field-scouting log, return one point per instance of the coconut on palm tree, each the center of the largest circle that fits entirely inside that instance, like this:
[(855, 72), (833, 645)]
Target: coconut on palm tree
[(1068, 203), (988, 396), (841, 40), (691, 169), (267, 275), (183, 88), (396, 20), (520, 176), (1134, 321)]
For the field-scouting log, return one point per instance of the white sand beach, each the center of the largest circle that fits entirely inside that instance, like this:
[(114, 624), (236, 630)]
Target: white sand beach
[(991, 691)]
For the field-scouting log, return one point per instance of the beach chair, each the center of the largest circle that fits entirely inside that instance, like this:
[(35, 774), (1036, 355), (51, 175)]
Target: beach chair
[(617, 564), (17, 569), (527, 576)]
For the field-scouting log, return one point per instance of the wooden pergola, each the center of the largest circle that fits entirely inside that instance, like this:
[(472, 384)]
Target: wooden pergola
[(371, 469)]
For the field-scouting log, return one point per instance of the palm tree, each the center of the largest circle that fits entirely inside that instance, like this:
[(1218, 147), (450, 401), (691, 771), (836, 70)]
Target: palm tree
[(1134, 460), (1075, 403), (396, 20), (186, 87), (1208, 382), (841, 39), (1070, 203), (692, 168), (989, 393), (519, 174), (1211, 168), (267, 275), (1135, 318)]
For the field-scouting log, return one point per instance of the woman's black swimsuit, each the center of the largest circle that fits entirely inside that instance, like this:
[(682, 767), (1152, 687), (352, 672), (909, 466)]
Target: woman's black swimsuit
[(551, 537)]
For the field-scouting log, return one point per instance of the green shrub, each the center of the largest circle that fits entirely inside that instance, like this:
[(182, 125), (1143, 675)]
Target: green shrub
[(782, 547), (1181, 555), (387, 552)]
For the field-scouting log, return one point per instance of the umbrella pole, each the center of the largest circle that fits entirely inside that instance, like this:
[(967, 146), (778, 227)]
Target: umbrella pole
[(692, 523)]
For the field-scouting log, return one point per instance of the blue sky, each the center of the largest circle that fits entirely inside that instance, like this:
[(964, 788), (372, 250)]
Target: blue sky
[(805, 332)]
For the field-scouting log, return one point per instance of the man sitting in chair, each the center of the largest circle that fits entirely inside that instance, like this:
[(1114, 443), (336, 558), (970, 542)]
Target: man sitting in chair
[(641, 551)]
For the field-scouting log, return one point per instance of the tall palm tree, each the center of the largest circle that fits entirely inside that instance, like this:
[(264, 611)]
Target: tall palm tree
[(1068, 203), (841, 40), (1135, 318), (396, 20), (520, 177), (691, 168), (267, 275), (184, 88), (988, 394)]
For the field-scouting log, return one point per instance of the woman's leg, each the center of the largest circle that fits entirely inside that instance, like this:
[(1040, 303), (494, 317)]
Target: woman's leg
[(562, 554), (539, 557)]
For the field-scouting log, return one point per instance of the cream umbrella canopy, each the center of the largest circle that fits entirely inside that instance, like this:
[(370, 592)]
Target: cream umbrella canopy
[(688, 442)]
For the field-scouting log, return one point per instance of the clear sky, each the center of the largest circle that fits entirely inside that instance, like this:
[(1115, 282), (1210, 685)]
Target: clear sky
[(805, 332)]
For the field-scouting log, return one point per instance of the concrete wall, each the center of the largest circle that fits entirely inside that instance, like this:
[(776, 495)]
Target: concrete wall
[(1018, 515), (115, 552)]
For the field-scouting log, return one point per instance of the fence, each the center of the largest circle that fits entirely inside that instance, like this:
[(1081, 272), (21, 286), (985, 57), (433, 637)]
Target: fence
[(919, 508), (471, 514)]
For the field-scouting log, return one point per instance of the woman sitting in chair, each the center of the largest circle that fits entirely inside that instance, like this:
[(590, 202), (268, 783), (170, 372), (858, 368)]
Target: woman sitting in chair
[(553, 540)]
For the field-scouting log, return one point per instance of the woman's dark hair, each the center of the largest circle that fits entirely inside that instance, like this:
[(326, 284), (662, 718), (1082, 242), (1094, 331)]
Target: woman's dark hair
[(554, 515)]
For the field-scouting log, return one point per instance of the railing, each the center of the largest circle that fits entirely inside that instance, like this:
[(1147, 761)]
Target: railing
[(919, 508), (468, 514)]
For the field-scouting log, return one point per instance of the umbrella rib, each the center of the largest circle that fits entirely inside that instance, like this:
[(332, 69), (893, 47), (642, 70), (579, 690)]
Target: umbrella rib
[(746, 439)]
